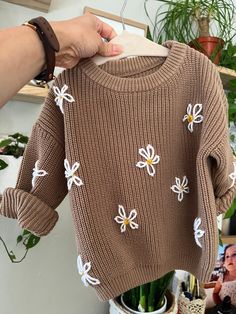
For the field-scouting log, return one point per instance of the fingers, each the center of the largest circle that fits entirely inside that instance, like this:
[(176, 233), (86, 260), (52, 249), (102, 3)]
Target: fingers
[(105, 30), (109, 49)]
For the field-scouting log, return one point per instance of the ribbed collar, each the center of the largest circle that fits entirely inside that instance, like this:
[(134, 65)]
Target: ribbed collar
[(108, 74)]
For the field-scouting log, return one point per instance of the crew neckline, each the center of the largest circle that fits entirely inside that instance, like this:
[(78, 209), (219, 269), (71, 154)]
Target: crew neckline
[(105, 74)]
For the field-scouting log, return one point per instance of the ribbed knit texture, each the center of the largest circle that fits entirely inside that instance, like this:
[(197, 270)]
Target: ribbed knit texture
[(119, 108)]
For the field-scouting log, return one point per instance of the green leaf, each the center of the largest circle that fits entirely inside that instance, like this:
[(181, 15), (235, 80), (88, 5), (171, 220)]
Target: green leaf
[(32, 241), (231, 210), (19, 239), (5, 142), (15, 136), (12, 256), (3, 164), (220, 238), (25, 232), (23, 139)]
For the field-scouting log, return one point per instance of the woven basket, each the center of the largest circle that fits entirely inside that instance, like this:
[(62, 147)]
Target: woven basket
[(196, 306)]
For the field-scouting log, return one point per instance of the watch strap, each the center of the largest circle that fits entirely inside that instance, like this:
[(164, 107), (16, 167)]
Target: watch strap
[(50, 44)]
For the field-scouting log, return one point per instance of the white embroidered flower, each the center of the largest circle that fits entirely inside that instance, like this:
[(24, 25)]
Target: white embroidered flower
[(62, 95), (233, 175), (37, 173), (70, 174), (198, 233), (124, 221), (83, 271), (180, 188), (151, 159), (193, 117)]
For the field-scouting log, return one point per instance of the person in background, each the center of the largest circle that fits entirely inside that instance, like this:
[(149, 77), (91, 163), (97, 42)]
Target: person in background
[(22, 54), (226, 283)]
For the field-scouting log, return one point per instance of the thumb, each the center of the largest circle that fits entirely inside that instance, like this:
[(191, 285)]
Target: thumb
[(108, 49)]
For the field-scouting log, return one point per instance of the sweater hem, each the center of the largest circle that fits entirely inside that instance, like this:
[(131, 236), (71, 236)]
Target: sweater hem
[(137, 276)]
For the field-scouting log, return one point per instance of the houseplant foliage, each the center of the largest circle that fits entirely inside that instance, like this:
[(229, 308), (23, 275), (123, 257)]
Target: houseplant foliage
[(14, 145), (228, 57), (195, 22), (148, 297), (228, 60)]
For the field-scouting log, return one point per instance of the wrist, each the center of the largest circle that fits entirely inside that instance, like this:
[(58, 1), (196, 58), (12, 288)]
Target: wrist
[(50, 44), (34, 43), (59, 32)]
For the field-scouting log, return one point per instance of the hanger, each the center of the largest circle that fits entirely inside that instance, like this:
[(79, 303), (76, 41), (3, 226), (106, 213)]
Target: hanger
[(133, 45)]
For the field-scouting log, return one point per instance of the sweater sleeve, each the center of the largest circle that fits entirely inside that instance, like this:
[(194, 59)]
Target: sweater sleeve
[(41, 184), (216, 157), (223, 174)]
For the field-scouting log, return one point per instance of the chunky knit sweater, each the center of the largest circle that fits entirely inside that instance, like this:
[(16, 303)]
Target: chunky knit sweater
[(142, 147)]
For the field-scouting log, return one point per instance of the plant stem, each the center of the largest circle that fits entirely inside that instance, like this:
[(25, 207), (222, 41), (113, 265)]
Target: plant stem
[(143, 297), (152, 296), (10, 256)]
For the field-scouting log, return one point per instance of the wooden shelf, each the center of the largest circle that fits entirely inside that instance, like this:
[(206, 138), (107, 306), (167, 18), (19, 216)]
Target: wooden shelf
[(226, 76), (32, 93), (40, 5), (228, 239)]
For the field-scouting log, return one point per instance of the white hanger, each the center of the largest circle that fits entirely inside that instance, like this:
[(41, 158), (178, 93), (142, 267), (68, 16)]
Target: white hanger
[(133, 45)]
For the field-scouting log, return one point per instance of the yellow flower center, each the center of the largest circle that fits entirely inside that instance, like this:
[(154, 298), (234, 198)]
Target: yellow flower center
[(190, 118), (149, 161), (126, 221)]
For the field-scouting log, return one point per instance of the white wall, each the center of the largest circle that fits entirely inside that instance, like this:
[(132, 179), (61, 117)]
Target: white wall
[(47, 282)]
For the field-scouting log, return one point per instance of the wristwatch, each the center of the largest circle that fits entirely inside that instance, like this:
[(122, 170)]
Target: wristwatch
[(50, 43)]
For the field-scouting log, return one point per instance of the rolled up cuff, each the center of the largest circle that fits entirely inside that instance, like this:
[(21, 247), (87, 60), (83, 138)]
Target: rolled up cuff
[(224, 202), (31, 212)]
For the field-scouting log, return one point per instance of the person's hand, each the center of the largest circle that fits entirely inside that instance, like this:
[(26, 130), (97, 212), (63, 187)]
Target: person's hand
[(216, 291), (217, 287), (81, 37)]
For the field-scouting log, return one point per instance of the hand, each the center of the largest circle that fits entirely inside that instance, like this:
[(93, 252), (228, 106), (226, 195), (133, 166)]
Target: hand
[(81, 37), (216, 291), (217, 287)]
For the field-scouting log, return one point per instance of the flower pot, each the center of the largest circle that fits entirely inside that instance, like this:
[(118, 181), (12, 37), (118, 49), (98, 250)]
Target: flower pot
[(116, 306), (210, 46), (8, 176)]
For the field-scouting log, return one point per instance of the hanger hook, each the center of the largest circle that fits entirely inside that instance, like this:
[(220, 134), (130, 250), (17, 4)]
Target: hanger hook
[(121, 13)]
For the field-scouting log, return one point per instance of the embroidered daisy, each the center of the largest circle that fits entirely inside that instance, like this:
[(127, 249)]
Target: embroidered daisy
[(180, 188), (233, 175), (198, 233), (37, 173), (62, 95), (83, 271), (151, 159), (124, 221), (193, 116), (70, 174)]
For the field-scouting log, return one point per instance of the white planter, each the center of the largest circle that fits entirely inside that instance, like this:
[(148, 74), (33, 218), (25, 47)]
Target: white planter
[(116, 308), (159, 311), (8, 176)]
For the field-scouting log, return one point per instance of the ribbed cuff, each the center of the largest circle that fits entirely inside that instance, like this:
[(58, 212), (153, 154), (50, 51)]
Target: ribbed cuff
[(224, 202), (32, 213)]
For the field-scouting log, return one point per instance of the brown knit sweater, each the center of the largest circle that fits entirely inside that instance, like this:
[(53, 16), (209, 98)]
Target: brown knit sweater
[(142, 145)]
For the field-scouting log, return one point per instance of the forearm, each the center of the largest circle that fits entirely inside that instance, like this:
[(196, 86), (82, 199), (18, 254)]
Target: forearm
[(22, 58), (22, 55)]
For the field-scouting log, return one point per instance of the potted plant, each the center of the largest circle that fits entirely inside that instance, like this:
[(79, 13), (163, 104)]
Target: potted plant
[(193, 21), (11, 150), (153, 297), (228, 57)]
